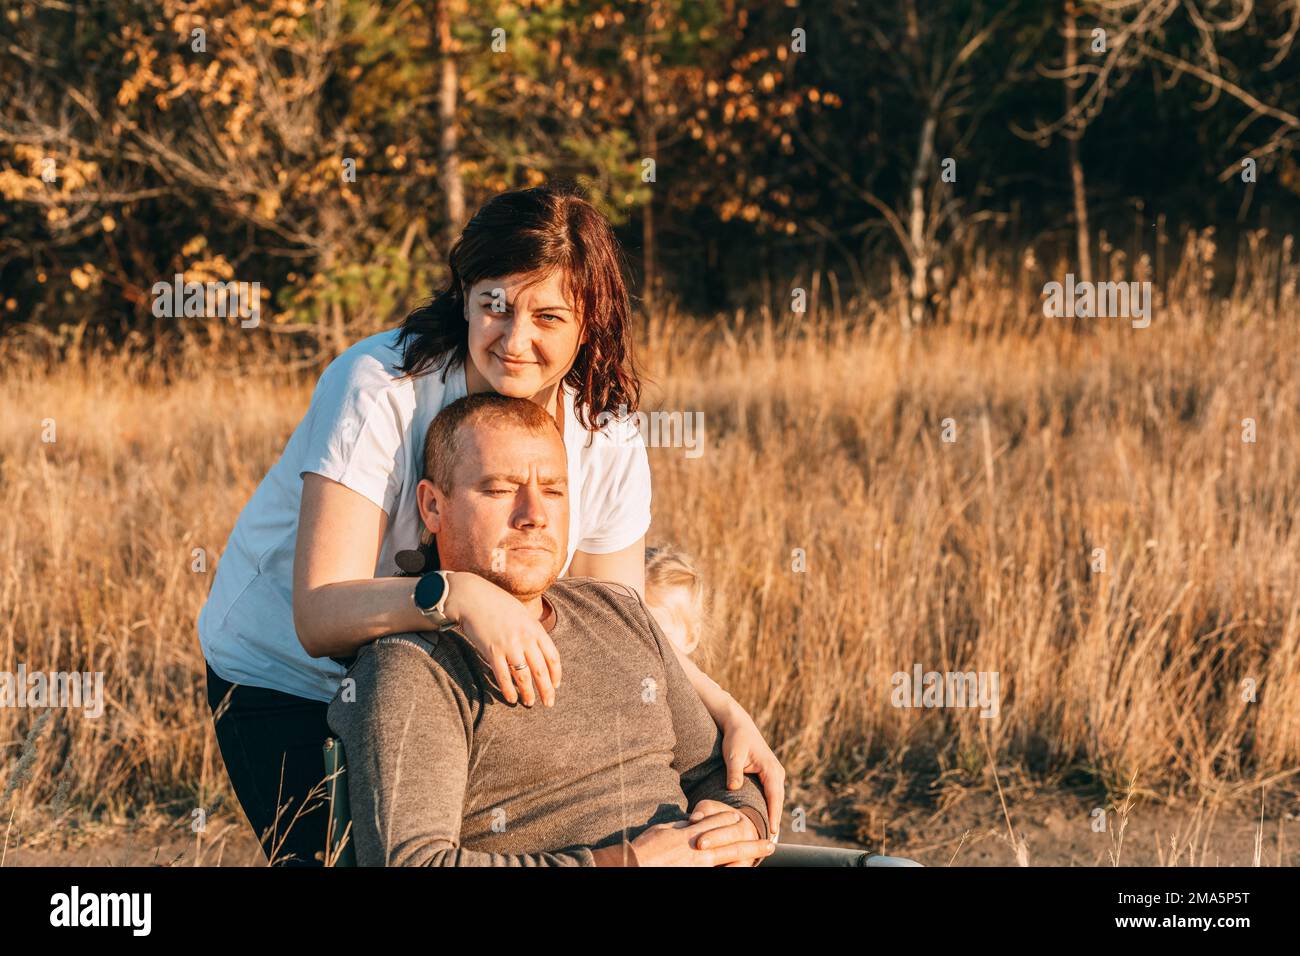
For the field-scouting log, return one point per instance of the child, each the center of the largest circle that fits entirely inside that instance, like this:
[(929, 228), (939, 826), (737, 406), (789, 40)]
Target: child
[(674, 593)]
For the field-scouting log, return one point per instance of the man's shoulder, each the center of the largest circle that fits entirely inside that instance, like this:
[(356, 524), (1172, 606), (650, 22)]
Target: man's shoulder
[(401, 657), (595, 589), (597, 603), (420, 642), (399, 675)]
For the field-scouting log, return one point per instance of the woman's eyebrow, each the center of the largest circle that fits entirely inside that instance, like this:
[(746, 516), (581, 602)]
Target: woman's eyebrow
[(541, 308)]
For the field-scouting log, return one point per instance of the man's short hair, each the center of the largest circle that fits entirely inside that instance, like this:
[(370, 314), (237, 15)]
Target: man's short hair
[(445, 438)]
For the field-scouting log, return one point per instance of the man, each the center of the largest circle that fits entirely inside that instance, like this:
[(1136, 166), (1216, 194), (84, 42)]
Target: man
[(443, 772)]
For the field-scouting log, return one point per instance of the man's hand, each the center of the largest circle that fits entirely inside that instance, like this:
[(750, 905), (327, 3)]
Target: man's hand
[(742, 831), (677, 844)]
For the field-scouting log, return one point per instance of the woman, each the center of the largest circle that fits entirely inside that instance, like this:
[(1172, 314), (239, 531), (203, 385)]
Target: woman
[(535, 308)]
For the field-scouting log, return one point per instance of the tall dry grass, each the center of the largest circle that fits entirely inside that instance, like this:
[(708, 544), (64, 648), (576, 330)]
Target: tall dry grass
[(823, 433)]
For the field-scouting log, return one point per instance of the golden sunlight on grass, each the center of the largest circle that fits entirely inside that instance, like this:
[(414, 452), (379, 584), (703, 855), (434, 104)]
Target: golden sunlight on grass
[(825, 435)]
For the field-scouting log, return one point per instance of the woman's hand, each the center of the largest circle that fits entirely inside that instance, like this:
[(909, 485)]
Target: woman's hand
[(745, 751), (675, 844), (512, 643)]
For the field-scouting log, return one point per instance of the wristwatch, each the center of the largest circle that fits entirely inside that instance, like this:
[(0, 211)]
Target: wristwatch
[(430, 598)]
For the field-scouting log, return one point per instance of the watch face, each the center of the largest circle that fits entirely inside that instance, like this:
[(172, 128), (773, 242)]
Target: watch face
[(428, 592)]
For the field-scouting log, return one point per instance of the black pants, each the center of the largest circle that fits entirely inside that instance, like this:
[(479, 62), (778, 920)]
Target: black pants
[(271, 744)]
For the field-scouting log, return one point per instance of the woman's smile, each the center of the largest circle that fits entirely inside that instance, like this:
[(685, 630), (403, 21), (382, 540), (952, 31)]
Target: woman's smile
[(512, 364)]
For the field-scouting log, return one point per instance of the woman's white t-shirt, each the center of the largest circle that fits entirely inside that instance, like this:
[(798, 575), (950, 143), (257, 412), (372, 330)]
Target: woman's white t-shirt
[(365, 429)]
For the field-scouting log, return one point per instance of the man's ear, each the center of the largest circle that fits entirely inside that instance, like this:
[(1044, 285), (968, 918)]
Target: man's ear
[(427, 500)]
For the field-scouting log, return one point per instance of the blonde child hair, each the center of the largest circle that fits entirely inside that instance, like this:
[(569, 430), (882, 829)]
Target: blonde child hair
[(675, 595)]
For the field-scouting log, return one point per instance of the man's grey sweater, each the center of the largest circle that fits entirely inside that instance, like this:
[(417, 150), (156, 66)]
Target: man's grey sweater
[(442, 772)]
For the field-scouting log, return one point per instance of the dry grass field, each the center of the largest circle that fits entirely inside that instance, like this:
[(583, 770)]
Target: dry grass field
[(1126, 687)]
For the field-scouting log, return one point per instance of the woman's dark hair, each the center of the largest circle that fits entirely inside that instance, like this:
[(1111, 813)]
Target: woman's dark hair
[(535, 231)]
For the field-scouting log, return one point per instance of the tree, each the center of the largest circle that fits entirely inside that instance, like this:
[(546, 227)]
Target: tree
[(926, 71), (1186, 39)]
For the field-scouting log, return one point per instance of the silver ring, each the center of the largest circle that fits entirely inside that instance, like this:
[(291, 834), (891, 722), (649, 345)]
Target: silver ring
[(519, 667)]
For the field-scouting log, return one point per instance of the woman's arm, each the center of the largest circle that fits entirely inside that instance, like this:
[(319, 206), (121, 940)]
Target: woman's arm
[(339, 604), (743, 746), (626, 567)]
